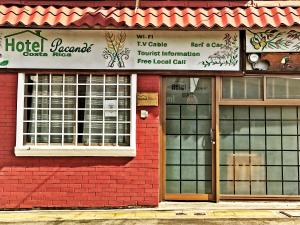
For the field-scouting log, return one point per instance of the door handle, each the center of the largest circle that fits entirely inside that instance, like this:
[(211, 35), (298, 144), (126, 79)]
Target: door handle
[(212, 136)]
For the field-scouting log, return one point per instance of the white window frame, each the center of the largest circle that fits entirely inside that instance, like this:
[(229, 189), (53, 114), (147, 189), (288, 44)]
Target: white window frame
[(60, 150)]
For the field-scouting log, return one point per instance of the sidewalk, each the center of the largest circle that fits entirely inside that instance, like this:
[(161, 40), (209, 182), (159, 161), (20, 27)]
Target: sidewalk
[(225, 213)]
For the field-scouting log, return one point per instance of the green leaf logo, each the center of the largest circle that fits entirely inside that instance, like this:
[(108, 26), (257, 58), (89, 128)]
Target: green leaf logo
[(4, 63)]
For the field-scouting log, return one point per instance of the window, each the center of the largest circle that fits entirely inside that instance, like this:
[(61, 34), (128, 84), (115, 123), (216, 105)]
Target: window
[(260, 88), (242, 88), (260, 136), (76, 115), (259, 150)]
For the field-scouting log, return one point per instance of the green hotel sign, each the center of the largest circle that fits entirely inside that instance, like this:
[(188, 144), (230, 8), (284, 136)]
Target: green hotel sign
[(119, 49)]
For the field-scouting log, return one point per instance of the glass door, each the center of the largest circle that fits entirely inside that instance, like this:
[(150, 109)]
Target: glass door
[(189, 137)]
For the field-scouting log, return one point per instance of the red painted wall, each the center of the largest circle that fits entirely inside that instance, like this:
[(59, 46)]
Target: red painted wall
[(27, 182)]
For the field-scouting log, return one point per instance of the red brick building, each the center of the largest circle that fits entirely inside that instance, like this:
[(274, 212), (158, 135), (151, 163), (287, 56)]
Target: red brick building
[(123, 103)]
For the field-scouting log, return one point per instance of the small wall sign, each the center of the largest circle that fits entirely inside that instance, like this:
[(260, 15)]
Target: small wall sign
[(147, 99)]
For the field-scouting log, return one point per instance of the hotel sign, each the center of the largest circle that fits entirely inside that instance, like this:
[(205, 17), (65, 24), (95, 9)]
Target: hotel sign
[(119, 49)]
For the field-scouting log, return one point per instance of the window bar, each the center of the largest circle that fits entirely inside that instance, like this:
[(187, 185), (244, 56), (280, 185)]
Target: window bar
[(245, 88), (103, 119), (63, 111), (76, 111), (287, 88), (50, 107), (231, 88), (282, 188), (273, 88), (297, 111), (90, 111), (197, 165), (36, 107), (117, 118), (233, 118), (264, 86), (180, 155), (250, 155), (266, 159)]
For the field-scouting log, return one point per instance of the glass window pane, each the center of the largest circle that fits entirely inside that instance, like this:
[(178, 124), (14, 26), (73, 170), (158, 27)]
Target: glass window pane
[(204, 187), (188, 157), (173, 142), (283, 88), (204, 157), (257, 113), (241, 112), (226, 112), (258, 173), (258, 158), (289, 113), (173, 172), (290, 173), (242, 87), (241, 127), (273, 127), (188, 112), (242, 187), (290, 158), (242, 142), (274, 157), (274, 173), (257, 127), (258, 188), (204, 173), (226, 127), (290, 188), (227, 187), (226, 172), (188, 187), (173, 157), (226, 158), (203, 142), (188, 127), (274, 188), (226, 142), (204, 126), (188, 142), (123, 140), (173, 111), (289, 142), (188, 173), (274, 142), (173, 187), (257, 143), (203, 111), (273, 113)]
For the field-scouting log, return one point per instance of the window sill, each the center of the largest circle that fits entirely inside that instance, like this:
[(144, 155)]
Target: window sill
[(71, 151)]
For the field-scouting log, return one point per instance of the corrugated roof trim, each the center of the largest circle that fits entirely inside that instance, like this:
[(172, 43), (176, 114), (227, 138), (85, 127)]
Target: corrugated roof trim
[(150, 17)]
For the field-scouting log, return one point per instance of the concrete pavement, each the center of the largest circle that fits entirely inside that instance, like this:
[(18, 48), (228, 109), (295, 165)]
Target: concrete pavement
[(225, 213)]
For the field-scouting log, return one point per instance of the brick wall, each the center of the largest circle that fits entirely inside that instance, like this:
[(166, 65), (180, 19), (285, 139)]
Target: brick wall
[(27, 182)]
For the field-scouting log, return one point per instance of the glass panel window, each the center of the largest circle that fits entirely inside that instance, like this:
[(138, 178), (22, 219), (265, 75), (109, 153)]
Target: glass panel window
[(242, 88), (259, 150), (283, 88), (77, 110)]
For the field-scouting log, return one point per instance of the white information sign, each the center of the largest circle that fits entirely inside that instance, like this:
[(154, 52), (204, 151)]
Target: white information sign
[(110, 107), (120, 49), (273, 40)]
